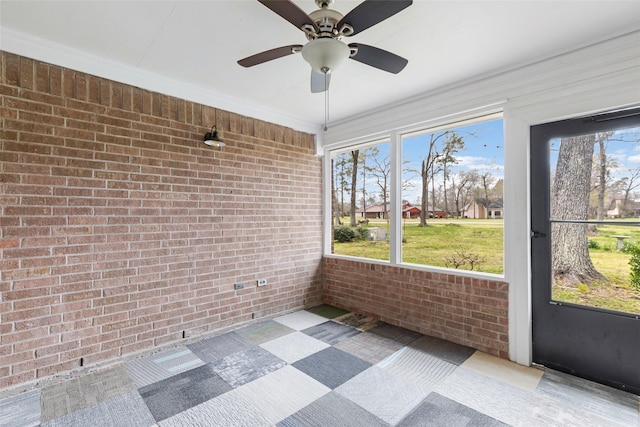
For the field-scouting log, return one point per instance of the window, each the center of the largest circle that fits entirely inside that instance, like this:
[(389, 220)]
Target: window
[(454, 176), (450, 202), (361, 201)]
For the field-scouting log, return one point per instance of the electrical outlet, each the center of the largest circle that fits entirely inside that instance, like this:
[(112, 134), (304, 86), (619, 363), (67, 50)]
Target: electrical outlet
[(238, 286), (262, 282)]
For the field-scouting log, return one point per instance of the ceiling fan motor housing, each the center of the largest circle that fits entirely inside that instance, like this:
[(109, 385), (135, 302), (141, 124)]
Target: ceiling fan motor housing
[(323, 3), (326, 20)]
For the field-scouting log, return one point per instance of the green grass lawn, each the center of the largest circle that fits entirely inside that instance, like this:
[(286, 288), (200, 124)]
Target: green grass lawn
[(440, 244), (616, 293), (446, 241)]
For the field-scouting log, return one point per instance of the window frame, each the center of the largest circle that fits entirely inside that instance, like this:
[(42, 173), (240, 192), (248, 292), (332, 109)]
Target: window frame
[(395, 137)]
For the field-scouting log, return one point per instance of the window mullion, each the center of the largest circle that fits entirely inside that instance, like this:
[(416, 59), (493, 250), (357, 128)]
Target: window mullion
[(395, 222)]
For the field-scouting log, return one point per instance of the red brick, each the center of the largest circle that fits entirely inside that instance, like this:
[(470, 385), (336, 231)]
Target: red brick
[(55, 80), (478, 313), (79, 296), (119, 231), (35, 343), (68, 83), (116, 344), (81, 89), (16, 379), (26, 73), (52, 369), (55, 349), (26, 304), (42, 98), (11, 74)]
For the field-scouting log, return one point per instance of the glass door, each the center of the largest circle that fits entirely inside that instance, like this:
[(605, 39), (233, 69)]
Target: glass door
[(585, 248)]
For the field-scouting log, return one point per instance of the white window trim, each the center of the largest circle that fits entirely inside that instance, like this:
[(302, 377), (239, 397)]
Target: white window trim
[(394, 138)]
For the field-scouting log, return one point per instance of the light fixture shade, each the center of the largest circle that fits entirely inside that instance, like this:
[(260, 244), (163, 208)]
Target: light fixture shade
[(325, 53), (212, 139)]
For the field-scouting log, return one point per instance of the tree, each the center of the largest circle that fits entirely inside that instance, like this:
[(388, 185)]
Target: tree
[(334, 196), (602, 175), (487, 179), (452, 145), (436, 167), (426, 173), (381, 170), (497, 192), (354, 182), (570, 201), (460, 185), (632, 183), (343, 172), (424, 196), (362, 160)]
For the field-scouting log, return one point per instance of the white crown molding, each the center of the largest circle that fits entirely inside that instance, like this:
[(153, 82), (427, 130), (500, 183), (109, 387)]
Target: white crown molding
[(53, 53)]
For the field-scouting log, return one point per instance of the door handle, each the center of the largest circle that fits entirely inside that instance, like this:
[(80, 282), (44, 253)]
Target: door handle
[(537, 234)]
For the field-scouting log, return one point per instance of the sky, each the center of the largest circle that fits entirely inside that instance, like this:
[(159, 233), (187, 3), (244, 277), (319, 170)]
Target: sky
[(484, 151), (622, 149)]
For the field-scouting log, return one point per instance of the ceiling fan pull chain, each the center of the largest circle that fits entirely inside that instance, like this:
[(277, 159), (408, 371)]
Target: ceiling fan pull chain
[(326, 100)]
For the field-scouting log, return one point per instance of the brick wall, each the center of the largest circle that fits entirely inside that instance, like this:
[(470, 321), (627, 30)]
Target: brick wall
[(120, 230), (472, 312)]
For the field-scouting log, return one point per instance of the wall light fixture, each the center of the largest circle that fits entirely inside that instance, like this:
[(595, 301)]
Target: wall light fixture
[(212, 139)]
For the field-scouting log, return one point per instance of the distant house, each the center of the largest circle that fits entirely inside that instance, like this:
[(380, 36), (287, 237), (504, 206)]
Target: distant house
[(496, 210), (483, 209), (374, 211), (436, 212), (618, 210), (377, 211), (410, 211)]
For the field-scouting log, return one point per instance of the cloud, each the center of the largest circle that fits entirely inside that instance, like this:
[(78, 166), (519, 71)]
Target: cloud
[(619, 156), (412, 183), (479, 163), (471, 161)]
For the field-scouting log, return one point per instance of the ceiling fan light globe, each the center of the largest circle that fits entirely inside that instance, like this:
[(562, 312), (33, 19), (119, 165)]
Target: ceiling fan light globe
[(325, 53)]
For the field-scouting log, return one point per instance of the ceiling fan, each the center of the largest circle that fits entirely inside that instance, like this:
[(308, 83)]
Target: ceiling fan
[(324, 29)]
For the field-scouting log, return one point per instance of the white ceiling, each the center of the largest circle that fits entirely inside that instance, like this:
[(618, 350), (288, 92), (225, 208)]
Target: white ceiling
[(195, 45)]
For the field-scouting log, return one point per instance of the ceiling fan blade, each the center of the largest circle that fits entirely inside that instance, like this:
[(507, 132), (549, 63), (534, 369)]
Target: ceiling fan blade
[(318, 82), (370, 12), (378, 58), (269, 55), (289, 11)]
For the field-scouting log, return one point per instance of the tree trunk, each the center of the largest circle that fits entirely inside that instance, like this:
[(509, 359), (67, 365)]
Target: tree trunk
[(384, 200), (433, 192), (342, 183), (570, 201), (334, 197), (444, 178), (625, 200), (424, 173), (602, 177), (364, 184), (354, 186)]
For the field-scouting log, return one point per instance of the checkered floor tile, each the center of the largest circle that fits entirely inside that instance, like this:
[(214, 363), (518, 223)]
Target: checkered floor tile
[(321, 367)]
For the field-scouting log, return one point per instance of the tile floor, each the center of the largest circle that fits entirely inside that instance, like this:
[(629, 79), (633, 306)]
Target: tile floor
[(321, 367)]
